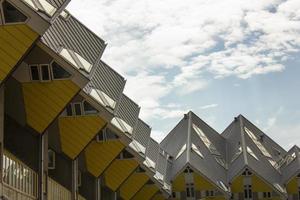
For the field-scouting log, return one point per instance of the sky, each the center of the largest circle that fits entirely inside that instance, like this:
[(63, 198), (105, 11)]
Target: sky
[(216, 58)]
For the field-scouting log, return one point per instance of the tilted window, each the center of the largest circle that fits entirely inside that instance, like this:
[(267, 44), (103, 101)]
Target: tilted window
[(89, 109), (59, 72), (34, 72), (42, 6), (12, 14), (183, 148), (51, 159), (75, 59)]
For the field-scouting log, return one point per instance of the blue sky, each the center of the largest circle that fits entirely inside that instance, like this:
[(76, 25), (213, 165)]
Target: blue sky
[(216, 58)]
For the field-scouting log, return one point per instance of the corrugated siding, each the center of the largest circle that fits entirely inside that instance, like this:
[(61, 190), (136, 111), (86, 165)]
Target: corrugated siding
[(118, 172), (107, 80), (146, 193), (142, 133), (128, 110), (57, 3), (15, 40), (161, 164), (44, 101), (152, 150), (99, 155), (132, 185), (76, 132), (73, 35)]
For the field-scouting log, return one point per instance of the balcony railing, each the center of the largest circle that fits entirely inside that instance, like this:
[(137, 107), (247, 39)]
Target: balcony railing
[(19, 181), (57, 191)]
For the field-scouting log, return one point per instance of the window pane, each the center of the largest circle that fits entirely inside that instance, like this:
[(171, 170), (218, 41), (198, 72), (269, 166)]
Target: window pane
[(45, 72), (89, 109), (69, 110), (77, 108), (11, 14), (59, 72), (34, 73)]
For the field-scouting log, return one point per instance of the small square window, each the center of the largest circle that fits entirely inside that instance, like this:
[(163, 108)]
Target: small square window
[(51, 159), (69, 110), (34, 72), (45, 73), (77, 109)]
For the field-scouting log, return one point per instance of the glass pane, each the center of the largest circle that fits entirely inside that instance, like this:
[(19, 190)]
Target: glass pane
[(59, 72), (89, 109), (34, 73), (11, 14), (77, 108), (45, 72), (69, 110)]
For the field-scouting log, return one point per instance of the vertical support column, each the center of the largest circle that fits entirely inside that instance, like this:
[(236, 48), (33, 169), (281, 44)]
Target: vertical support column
[(1, 136), (43, 167), (75, 179), (98, 188)]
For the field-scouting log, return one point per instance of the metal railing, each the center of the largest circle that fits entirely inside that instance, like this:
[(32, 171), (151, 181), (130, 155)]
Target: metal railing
[(57, 191), (19, 181)]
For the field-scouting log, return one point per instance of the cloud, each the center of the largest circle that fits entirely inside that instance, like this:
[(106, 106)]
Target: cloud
[(209, 106), (271, 121)]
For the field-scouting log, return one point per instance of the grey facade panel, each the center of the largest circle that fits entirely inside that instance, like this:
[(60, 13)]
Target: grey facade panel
[(142, 133), (152, 150), (72, 34), (161, 164), (57, 3), (293, 168), (107, 80), (128, 110)]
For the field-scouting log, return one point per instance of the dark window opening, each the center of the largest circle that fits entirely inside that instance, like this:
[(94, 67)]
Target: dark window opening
[(188, 194), (34, 73), (173, 194), (150, 182), (69, 110), (77, 108), (12, 14), (126, 154), (59, 72), (45, 74), (140, 170), (51, 159), (88, 108)]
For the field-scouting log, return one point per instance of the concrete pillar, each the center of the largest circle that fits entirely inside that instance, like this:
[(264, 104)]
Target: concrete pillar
[(43, 167), (75, 179), (98, 188)]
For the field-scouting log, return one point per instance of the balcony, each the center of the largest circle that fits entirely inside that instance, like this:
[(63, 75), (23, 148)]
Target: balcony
[(19, 181)]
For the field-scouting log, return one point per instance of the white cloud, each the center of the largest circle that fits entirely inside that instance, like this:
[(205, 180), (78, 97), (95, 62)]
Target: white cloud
[(209, 106)]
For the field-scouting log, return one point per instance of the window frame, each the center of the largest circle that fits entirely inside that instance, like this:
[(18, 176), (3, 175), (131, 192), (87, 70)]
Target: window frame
[(86, 113), (74, 109), (54, 159), (30, 72), (52, 75), (41, 73), (11, 23)]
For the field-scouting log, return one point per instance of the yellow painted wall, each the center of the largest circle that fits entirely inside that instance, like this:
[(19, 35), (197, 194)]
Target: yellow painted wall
[(259, 185), (77, 131), (100, 154), (118, 171), (158, 197), (45, 100), (132, 185), (15, 41), (179, 183), (146, 193), (237, 185), (201, 183), (292, 186)]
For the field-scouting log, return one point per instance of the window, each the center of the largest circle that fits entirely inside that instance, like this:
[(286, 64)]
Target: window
[(251, 153), (247, 192), (267, 194), (125, 155), (42, 6), (69, 110), (247, 173), (59, 72), (140, 170), (209, 193), (103, 98), (190, 191), (183, 148), (238, 152), (77, 109), (51, 159), (34, 72), (12, 14), (74, 58), (79, 178), (45, 73), (188, 170), (88, 108), (196, 150)]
